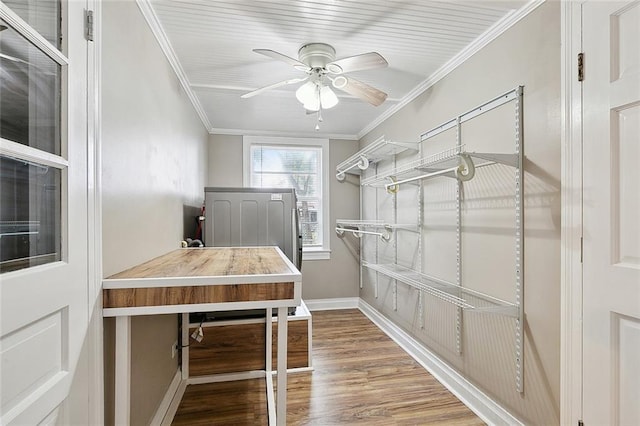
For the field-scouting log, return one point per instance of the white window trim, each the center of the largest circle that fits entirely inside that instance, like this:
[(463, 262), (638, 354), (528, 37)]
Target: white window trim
[(31, 154), (311, 253)]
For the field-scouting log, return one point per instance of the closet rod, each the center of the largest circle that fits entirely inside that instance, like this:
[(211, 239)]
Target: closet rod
[(433, 174), (357, 232), (362, 164)]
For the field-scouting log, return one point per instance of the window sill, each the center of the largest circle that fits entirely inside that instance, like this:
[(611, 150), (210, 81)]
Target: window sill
[(319, 254)]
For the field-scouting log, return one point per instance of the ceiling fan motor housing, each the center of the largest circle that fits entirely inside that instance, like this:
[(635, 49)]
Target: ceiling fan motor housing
[(316, 55)]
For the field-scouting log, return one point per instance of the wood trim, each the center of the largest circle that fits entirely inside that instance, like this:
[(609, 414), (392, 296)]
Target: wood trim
[(571, 231), (96, 401), (331, 304), (188, 295), (169, 395), (158, 32), (275, 133), (175, 403)]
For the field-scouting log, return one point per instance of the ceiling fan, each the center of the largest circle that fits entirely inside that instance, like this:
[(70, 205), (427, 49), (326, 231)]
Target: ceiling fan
[(318, 61)]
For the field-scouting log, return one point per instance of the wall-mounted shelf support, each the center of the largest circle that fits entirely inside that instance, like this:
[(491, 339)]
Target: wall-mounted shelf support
[(362, 164)]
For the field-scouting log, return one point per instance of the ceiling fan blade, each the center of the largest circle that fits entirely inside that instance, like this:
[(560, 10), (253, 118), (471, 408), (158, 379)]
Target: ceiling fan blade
[(365, 61), (284, 58), (273, 86), (363, 91)]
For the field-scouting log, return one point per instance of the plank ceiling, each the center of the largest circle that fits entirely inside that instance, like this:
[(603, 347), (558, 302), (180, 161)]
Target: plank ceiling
[(213, 41)]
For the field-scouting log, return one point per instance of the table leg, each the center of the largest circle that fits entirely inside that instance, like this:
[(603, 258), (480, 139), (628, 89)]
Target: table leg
[(268, 356), (185, 346), (123, 371), (281, 409), (271, 402)]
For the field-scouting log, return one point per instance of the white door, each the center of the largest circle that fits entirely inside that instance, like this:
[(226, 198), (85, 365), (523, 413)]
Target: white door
[(611, 196), (44, 293)]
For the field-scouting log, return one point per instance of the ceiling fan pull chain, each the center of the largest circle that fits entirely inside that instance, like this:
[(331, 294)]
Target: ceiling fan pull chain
[(319, 114), (319, 108)]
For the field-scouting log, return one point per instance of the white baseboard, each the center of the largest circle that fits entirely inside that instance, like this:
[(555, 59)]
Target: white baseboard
[(169, 405), (481, 404), (331, 304)]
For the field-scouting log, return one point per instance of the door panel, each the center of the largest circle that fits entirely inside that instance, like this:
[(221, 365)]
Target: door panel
[(25, 345), (626, 373), (611, 196), (626, 186), (44, 309)]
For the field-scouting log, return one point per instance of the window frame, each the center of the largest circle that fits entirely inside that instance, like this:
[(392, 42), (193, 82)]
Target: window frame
[(37, 156), (308, 253)]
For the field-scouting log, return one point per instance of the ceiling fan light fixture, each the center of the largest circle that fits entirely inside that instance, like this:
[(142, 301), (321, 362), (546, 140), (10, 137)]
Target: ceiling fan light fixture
[(313, 95), (313, 105), (328, 98), (307, 93)]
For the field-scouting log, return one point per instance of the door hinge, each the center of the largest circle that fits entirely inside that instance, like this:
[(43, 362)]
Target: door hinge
[(580, 423), (89, 24), (580, 66)]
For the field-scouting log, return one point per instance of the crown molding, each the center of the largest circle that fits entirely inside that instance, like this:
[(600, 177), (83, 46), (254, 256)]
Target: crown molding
[(485, 38), (156, 28), (241, 132)]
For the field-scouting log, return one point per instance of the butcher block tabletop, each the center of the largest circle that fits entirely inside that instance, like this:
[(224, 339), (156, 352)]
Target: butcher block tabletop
[(204, 276), (210, 261)]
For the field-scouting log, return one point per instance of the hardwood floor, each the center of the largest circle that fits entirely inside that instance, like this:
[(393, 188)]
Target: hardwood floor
[(360, 377)]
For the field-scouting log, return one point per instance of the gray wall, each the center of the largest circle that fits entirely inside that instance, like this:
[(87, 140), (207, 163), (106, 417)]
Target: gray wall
[(154, 152), (321, 279), (528, 54)]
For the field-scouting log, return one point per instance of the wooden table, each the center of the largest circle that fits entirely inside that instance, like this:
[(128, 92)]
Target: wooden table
[(203, 280)]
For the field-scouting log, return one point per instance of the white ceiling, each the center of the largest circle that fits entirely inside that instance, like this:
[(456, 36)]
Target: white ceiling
[(210, 43)]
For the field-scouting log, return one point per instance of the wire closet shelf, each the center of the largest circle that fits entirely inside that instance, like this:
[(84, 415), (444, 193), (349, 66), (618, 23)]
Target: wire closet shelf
[(376, 151)]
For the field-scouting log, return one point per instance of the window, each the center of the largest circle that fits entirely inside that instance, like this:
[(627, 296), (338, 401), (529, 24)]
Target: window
[(301, 164), (32, 163)]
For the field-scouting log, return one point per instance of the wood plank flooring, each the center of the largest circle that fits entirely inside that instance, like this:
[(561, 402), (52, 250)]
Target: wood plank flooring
[(361, 377)]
